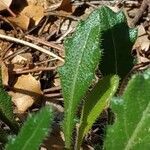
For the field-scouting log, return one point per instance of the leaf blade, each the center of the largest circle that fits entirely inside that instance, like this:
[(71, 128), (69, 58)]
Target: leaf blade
[(132, 125), (82, 57), (33, 131), (95, 103)]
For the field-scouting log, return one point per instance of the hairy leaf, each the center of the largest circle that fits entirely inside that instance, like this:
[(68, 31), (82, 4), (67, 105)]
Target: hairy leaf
[(117, 43), (34, 130), (132, 125), (82, 57), (95, 103), (6, 109)]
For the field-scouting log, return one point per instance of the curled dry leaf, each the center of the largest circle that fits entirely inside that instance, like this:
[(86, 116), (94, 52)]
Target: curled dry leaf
[(4, 4), (26, 91)]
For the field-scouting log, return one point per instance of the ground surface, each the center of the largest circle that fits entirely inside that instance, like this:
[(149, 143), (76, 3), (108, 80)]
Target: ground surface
[(31, 63)]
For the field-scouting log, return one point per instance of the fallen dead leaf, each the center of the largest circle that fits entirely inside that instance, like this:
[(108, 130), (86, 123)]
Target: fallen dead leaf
[(4, 4), (143, 42), (22, 101), (26, 91), (36, 13), (21, 20)]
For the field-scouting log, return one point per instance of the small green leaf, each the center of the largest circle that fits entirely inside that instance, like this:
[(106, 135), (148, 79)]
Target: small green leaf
[(6, 109), (117, 43), (131, 130), (95, 103), (82, 57), (34, 130)]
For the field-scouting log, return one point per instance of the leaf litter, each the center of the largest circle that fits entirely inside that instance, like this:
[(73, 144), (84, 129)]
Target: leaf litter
[(51, 21)]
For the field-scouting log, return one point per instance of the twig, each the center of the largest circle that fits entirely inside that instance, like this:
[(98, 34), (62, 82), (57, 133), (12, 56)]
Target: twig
[(56, 13), (7, 50), (92, 5), (95, 2), (30, 45), (9, 10), (56, 88), (140, 12), (34, 70), (50, 44), (53, 95), (45, 61), (15, 53), (64, 35), (43, 26)]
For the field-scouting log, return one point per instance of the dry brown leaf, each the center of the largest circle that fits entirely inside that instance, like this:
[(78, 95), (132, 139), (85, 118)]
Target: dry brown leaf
[(26, 91), (28, 84), (36, 13), (143, 42), (4, 4), (22, 101), (21, 20)]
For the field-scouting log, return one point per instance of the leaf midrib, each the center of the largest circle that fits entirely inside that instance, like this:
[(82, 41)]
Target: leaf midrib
[(74, 83), (115, 49)]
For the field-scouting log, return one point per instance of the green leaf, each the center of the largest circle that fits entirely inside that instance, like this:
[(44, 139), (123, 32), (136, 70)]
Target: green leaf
[(117, 43), (131, 130), (95, 103), (82, 57), (6, 109), (34, 130)]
